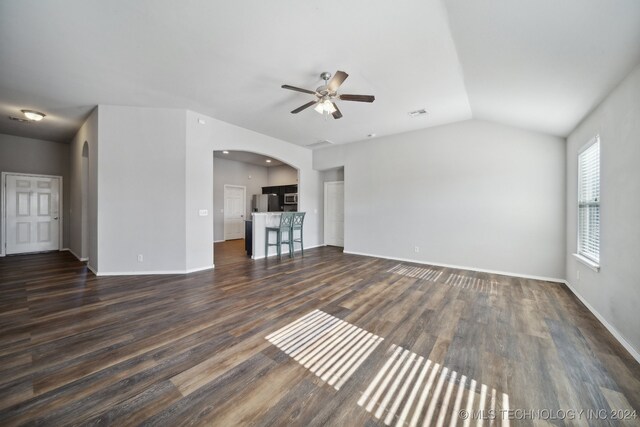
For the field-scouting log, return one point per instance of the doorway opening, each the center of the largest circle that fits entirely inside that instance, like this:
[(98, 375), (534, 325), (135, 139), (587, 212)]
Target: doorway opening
[(334, 207), (247, 183)]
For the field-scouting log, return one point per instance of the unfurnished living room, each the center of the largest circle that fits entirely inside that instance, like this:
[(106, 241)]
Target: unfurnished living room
[(297, 213)]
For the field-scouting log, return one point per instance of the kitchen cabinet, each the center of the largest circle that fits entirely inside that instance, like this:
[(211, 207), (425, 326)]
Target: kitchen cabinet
[(280, 190)]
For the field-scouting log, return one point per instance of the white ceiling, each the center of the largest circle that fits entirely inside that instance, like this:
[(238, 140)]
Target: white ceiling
[(537, 64), (249, 157)]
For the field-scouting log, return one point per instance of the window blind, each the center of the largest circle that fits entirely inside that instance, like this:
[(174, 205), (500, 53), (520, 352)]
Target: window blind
[(589, 202)]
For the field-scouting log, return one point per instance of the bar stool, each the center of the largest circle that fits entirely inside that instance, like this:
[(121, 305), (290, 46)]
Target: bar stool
[(286, 219), (296, 225)]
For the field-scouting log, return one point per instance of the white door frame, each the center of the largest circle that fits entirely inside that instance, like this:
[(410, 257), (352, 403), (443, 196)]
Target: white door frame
[(3, 208), (224, 197), (324, 219)]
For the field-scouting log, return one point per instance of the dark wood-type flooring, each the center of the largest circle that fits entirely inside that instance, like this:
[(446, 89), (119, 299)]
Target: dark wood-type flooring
[(191, 349)]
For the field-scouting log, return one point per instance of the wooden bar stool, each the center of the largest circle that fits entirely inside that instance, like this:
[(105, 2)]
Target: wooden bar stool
[(286, 219), (296, 225)]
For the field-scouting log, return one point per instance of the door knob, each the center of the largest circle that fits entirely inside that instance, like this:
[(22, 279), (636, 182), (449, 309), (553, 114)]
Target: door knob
[(55, 217)]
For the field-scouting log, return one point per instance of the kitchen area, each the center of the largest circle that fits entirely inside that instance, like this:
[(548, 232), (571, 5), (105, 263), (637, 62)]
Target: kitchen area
[(250, 192), (264, 213)]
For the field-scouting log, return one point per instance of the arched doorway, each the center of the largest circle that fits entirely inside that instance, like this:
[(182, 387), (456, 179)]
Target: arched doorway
[(266, 182)]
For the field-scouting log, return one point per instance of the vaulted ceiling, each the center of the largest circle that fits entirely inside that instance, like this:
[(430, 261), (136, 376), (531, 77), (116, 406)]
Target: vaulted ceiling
[(536, 64)]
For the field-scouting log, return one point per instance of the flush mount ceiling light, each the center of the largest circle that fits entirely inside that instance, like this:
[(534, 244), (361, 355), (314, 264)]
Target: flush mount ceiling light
[(19, 119), (35, 116), (225, 152), (268, 161)]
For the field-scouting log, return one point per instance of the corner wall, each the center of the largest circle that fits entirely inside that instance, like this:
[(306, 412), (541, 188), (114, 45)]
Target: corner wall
[(141, 183), (473, 194), (613, 292), (88, 133)]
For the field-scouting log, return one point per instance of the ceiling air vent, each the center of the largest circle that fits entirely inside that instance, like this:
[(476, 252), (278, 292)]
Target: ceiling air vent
[(420, 112), (323, 143)]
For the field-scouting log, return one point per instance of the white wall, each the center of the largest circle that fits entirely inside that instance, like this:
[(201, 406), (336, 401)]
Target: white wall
[(282, 175), (202, 140), (141, 183), (36, 156), (88, 133), (614, 292), (230, 172), (472, 194)]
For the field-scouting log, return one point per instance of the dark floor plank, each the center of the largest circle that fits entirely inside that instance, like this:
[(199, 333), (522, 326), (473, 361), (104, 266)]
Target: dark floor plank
[(191, 349)]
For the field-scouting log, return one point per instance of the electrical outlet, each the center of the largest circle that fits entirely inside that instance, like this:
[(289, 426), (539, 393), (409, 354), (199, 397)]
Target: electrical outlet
[(416, 249), (140, 258)]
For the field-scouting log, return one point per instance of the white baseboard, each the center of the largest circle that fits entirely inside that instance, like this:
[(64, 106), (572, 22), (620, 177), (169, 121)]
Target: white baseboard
[(152, 272), (462, 267), (284, 253), (75, 255), (219, 241), (195, 270), (617, 335)]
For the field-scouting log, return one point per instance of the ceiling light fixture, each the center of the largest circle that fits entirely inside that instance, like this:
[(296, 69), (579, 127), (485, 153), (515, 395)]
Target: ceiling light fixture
[(268, 161), (19, 119), (225, 152), (35, 116), (325, 106)]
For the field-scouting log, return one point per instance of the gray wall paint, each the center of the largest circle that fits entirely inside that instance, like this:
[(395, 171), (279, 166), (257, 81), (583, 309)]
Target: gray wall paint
[(36, 156), (141, 183), (330, 175), (88, 133), (235, 173), (202, 140), (472, 194), (614, 292), (282, 175)]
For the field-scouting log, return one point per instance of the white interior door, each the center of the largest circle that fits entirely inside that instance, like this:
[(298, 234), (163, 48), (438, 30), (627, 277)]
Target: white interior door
[(334, 213), (234, 209), (32, 214)]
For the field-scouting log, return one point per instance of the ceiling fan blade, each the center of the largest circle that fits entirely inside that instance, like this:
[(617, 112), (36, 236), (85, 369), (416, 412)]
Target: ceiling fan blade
[(337, 80), (298, 89), (358, 98), (336, 114), (305, 106)]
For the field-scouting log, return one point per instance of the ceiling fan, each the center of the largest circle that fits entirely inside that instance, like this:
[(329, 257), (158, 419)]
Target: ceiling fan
[(327, 94)]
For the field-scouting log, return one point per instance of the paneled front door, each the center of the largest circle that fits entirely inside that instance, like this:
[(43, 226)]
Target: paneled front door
[(32, 214)]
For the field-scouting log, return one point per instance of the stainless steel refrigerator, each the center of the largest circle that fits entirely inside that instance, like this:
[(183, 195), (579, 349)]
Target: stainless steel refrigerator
[(265, 203)]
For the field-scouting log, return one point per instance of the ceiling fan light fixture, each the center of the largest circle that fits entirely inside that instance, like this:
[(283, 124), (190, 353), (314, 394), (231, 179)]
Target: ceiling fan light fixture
[(325, 106), (35, 116)]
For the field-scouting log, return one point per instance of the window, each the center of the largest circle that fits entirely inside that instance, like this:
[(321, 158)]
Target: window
[(589, 201)]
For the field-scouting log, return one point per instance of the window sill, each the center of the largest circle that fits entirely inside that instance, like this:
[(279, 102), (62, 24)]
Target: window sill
[(592, 265)]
